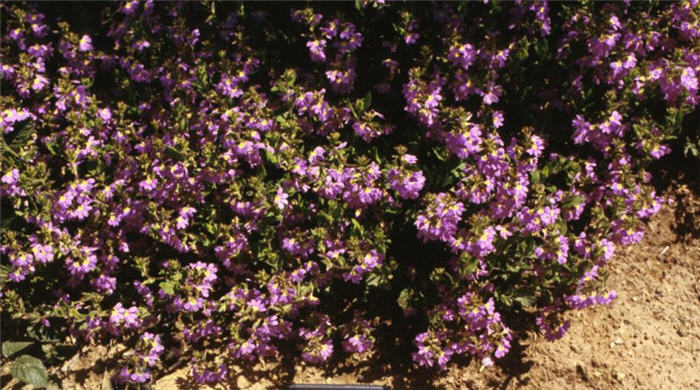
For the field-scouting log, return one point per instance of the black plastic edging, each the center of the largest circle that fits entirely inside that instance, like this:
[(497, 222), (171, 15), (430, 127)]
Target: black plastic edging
[(335, 387)]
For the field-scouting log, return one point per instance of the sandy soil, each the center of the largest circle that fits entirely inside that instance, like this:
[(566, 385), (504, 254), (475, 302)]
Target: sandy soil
[(648, 338)]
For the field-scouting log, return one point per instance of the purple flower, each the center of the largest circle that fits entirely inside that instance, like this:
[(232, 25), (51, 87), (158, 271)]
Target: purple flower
[(81, 211), (409, 159), (39, 82), (105, 114), (82, 265), (134, 377), (149, 184), (209, 376), (463, 55), (439, 220), (42, 253), (281, 199), (127, 318), (356, 344), (492, 93), (316, 48), (659, 151), (22, 260), (10, 178), (85, 43), (464, 142), (129, 7), (106, 284), (497, 119), (688, 80), (407, 184)]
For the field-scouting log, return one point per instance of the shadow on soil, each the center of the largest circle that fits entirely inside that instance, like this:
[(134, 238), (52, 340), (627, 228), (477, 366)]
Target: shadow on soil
[(390, 364)]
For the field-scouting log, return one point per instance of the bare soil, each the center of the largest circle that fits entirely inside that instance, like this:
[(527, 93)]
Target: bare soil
[(648, 338)]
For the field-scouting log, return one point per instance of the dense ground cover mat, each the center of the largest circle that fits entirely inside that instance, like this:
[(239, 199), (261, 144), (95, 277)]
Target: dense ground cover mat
[(214, 183)]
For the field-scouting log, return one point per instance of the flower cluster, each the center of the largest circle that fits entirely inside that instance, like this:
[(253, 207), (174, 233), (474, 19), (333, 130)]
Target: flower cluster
[(223, 179)]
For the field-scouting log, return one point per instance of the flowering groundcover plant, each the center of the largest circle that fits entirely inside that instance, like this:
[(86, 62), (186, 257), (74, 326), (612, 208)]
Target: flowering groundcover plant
[(211, 181)]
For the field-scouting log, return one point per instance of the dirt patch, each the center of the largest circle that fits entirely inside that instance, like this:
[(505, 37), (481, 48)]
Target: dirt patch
[(648, 338)]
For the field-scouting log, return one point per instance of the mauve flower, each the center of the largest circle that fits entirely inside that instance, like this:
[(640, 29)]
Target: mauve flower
[(281, 199), (316, 48), (105, 114), (688, 80), (85, 43), (39, 82), (659, 151), (42, 253), (106, 284), (356, 344), (129, 8), (10, 177)]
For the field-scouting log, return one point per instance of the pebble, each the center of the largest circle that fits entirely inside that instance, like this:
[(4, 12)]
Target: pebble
[(620, 376), (619, 341), (242, 382)]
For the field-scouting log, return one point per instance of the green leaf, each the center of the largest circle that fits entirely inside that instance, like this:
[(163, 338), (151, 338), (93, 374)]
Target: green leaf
[(271, 157), (10, 348), (367, 100), (49, 145), (438, 153), (358, 5), (30, 370), (21, 137), (174, 154), (468, 264), (405, 298), (356, 224), (525, 300), (457, 171), (168, 286)]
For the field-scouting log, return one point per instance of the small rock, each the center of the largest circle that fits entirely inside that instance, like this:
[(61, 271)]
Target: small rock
[(619, 341), (242, 382), (680, 332), (620, 376)]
